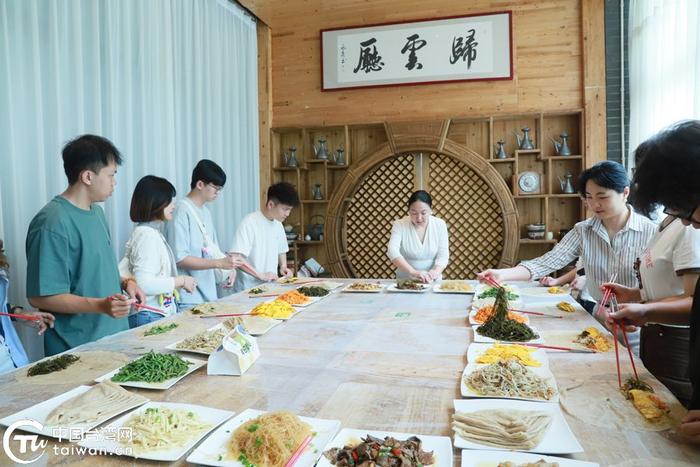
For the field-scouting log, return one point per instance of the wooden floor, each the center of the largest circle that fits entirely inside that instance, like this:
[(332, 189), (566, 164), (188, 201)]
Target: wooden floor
[(373, 361)]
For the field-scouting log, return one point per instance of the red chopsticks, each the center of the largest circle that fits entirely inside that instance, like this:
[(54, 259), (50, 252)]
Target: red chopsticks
[(536, 313), (609, 296), (556, 347), (224, 315), (18, 316), (297, 454)]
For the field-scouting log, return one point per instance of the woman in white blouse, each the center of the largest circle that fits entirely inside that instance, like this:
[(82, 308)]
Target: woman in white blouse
[(419, 246), (148, 258)]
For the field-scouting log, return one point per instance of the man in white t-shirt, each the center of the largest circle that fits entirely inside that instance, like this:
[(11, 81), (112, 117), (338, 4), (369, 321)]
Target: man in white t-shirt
[(261, 239)]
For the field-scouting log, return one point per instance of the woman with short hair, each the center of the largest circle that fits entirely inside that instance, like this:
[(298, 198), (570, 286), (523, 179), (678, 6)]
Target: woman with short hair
[(148, 257), (419, 244)]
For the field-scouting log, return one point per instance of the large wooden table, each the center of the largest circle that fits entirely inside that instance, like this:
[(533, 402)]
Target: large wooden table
[(385, 361)]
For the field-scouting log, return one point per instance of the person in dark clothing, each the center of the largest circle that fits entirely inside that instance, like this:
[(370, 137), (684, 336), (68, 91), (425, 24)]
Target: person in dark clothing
[(667, 175)]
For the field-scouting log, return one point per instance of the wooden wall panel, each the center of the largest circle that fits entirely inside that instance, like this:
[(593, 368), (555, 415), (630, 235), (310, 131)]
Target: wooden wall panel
[(547, 62)]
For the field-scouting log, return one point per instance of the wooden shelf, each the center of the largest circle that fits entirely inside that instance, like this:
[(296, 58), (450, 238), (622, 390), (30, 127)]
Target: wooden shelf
[(541, 241), (289, 169), (565, 195), (564, 158), (308, 242), (539, 195), (337, 167), (496, 161), (528, 151), (318, 161), (314, 201)]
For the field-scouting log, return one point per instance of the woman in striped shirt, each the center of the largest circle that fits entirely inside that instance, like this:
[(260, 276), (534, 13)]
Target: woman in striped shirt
[(607, 243)]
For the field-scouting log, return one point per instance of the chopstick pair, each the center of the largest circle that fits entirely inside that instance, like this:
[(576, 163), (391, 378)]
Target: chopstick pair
[(225, 315), (535, 313), (20, 316), (144, 307), (297, 454), (557, 347)]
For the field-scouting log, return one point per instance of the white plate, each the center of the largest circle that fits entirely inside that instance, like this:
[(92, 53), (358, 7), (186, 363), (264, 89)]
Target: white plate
[(330, 285), (479, 458), (481, 287), (550, 307), (216, 445), (173, 346), (474, 310), (393, 288), (437, 288), (348, 289), (476, 349), (541, 292), (311, 301), (259, 325), (479, 338), (539, 371), (40, 411), (214, 417), (441, 446), (167, 384), (557, 440)]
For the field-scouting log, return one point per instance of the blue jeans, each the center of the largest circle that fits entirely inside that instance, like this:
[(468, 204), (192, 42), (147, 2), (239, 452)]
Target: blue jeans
[(143, 317)]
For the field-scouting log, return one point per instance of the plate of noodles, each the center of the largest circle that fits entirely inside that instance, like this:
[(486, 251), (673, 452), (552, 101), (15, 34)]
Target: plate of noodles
[(265, 439), (509, 379), (364, 287), (460, 287), (483, 354), (532, 426), (416, 450), (160, 431), (488, 458)]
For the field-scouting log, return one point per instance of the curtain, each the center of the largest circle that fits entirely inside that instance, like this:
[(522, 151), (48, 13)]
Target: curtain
[(664, 66), (168, 81)]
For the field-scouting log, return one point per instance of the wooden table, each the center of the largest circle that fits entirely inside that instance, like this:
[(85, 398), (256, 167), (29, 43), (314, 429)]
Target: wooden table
[(387, 361)]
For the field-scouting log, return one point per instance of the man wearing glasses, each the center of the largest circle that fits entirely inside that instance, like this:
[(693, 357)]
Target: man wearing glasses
[(192, 237)]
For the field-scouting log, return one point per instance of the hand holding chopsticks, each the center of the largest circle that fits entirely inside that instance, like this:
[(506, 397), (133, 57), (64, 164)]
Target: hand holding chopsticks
[(39, 319)]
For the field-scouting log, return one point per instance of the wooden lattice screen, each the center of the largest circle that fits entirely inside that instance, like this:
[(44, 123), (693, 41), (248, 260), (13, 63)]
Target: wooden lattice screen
[(473, 215), (379, 200)]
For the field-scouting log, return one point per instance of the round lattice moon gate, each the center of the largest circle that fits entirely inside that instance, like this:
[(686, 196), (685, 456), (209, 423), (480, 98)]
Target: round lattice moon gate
[(468, 193)]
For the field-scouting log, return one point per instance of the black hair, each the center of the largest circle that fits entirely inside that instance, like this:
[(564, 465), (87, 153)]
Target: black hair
[(608, 174), (208, 172), (420, 195), (151, 196), (88, 152), (668, 169), (283, 193)]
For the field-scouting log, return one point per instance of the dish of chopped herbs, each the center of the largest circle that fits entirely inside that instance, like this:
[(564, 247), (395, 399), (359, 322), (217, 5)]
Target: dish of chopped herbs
[(53, 364), (159, 329), (313, 291)]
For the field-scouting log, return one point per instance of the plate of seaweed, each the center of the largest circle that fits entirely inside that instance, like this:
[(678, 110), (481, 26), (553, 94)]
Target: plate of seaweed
[(499, 327)]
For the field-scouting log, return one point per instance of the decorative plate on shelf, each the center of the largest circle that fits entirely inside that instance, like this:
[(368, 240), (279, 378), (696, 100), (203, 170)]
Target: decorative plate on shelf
[(528, 183)]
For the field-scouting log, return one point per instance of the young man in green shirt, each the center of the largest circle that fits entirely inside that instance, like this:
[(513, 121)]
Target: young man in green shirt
[(71, 268)]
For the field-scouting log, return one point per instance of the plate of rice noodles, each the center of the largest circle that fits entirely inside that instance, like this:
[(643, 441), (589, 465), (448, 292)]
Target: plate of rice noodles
[(489, 458), (161, 431), (353, 447), (509, 379), (461, 287), (259, 438), (512, 425)]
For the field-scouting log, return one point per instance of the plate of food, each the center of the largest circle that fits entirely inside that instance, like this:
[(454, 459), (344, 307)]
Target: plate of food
[(488, 458), (253, 325), (509, 335), (314, 291), (78, 410), (488, 291), (483, 354), (160, 431), (590, 338), (258, 290), (370, 445), (276, 309), (512, 425), (364, 287), (480, 315), (408, 286), (459, 287), (255, 437), (296, 298), (509, 379), (153, 371), (203, 343)]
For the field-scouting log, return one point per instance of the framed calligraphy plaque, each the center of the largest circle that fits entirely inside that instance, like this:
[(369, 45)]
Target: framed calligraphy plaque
[(459, 48)]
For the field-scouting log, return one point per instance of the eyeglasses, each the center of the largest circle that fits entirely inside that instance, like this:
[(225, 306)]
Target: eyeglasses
[(217, 188), (682, 215)]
